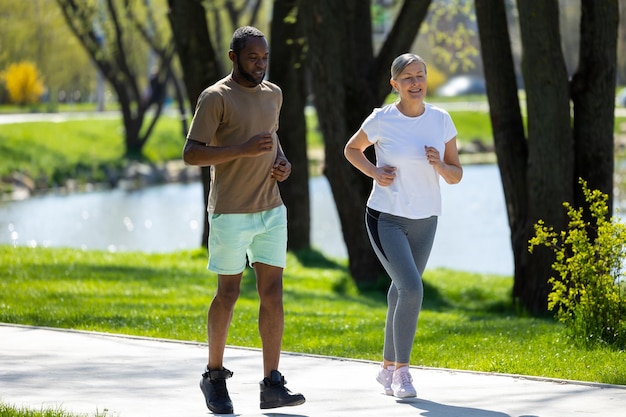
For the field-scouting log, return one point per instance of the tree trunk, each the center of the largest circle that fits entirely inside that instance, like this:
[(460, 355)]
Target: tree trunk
[(132, 127), (551, 146), (347, 86), (327, 22), (200, 65), (287, 66), (593, 90), (506, 121)]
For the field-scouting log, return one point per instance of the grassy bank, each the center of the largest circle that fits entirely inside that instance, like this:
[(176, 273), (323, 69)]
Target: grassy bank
[(467, 322), (52, 152)]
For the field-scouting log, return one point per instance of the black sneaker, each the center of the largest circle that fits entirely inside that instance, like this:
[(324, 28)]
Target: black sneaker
[(274, 394), (213, 386)]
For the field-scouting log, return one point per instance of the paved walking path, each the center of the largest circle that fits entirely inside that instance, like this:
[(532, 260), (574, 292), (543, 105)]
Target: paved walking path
[(87, 372)]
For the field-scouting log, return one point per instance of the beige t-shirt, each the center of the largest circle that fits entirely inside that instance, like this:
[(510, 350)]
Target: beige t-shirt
[(228, 113)]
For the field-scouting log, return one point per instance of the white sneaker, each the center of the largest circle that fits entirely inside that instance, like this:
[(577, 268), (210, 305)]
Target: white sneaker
[(384, 378), (401, 383)]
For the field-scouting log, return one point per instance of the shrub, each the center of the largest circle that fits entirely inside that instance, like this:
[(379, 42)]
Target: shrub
[(23, 83), (589, 294), (435, 77)]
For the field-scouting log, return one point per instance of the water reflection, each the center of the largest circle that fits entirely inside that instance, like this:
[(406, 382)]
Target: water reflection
[(473, 232), (156, 219)]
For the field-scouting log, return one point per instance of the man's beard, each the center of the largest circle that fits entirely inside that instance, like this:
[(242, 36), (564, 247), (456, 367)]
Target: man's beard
[(247, 75)]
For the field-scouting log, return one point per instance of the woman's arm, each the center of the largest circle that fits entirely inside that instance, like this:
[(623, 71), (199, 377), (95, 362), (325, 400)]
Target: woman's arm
[(450, 167), (353, 152)]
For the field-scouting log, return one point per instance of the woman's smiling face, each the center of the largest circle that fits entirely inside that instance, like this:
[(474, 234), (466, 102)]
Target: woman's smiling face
[(411, 83)]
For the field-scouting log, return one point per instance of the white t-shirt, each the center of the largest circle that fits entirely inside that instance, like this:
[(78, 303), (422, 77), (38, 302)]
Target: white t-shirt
[(399, 142)]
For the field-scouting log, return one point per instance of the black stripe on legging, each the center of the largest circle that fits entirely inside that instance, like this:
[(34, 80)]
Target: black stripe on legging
[(372, 224)]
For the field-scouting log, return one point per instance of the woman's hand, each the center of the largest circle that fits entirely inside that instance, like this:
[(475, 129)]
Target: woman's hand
[(385, 175), (432, 154), (450, 167)]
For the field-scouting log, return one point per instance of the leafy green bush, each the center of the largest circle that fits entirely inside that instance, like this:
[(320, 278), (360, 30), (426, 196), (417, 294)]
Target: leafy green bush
[(589, 295)]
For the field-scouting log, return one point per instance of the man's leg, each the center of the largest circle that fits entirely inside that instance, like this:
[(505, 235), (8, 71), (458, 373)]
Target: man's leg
[(271, 314), (219, 316), (213, 382), (271, 324)]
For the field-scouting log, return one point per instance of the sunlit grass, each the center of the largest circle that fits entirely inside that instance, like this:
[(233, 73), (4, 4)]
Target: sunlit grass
[(468, 321), (44, 148), (8, 410), (79, 149), (472, 126)]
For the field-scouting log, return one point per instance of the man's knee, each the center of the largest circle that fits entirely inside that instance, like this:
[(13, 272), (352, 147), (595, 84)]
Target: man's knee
[(270, 291), (228, 292), (269, 283)]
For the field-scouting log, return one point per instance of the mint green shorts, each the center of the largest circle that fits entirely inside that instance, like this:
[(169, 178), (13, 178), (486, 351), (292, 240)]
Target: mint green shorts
[(261, 237)]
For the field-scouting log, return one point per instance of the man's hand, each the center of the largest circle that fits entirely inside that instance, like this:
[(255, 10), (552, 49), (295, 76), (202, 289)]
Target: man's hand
[(281, 169), (258, 144)]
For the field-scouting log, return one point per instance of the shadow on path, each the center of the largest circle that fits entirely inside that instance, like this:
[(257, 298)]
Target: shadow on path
[(434, 409)]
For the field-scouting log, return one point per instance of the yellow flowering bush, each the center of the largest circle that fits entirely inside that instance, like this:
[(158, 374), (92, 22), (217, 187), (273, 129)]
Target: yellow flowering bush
[(23, 83), (589, 293)]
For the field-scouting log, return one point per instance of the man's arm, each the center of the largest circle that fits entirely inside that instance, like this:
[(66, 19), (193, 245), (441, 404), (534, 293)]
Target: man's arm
[(200, 154)]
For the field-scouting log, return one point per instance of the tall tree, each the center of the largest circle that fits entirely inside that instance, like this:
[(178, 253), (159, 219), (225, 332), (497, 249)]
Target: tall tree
[(200, 64), (108, 37), (592, 89), (348, 80), (540, 171), (287, 69)]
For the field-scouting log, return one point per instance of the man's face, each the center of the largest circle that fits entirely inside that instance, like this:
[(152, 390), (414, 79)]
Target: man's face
[(251, 62)]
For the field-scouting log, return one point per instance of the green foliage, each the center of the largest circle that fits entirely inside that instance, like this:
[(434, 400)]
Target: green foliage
[(468, 321), (36, 30), (453, 34), (589, 294), (23, 82)]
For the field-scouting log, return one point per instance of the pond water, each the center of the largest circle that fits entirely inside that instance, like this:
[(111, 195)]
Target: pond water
[(473, 233)]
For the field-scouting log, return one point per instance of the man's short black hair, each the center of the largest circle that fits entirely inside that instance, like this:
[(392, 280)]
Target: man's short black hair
[(241, 35)]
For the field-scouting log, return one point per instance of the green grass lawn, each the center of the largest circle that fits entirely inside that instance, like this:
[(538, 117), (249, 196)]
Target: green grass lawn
[(467, 322)]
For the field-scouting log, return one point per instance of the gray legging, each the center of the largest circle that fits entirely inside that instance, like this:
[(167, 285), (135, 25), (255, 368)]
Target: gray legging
[(403, 247)]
